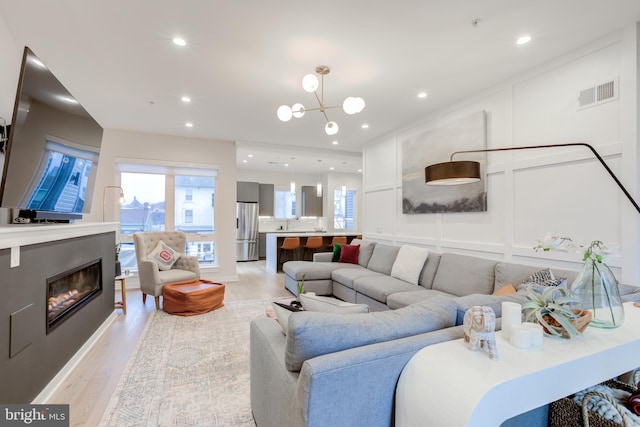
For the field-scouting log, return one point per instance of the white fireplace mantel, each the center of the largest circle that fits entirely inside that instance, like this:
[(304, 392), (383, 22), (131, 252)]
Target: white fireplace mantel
[(17, 235)]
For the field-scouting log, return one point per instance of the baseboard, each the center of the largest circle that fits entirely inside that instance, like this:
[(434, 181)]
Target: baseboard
[(53, 385)]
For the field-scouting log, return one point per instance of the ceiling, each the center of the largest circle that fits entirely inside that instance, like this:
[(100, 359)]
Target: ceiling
[(245, 58)]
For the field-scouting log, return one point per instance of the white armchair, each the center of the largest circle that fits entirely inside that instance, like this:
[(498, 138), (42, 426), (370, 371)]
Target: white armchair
[(152, 278)]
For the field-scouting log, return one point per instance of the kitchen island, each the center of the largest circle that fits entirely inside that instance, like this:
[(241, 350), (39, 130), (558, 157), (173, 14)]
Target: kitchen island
[(274, 241)]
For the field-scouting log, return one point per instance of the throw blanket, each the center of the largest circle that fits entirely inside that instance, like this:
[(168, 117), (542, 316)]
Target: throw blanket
[(605, 409)]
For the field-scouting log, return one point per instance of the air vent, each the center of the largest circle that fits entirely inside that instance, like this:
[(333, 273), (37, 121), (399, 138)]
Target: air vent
[(599, 94)]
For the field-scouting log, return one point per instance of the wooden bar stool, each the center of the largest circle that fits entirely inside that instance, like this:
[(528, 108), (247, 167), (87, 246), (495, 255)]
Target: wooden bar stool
[(312, 243), (290, 245), (338, 239)]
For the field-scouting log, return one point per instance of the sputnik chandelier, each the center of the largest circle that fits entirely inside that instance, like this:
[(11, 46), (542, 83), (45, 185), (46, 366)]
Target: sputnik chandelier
[(310, 83)]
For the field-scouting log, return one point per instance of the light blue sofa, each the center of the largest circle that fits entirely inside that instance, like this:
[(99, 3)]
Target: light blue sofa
[(342, 369)]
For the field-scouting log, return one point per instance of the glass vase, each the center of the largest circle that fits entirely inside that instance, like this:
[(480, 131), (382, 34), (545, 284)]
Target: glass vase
[(597, 287)]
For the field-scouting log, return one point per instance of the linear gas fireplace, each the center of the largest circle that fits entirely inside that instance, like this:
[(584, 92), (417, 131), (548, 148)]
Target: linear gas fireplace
[(70, 290)]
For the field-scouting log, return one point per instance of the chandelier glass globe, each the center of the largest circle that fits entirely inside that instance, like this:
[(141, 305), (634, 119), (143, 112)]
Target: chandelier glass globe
[(331, 128), (298, 110), (310, 83), (285, 113)]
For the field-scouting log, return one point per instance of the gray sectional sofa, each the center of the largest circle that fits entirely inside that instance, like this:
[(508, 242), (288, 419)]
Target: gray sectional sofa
[(342, 369), (466, 279)]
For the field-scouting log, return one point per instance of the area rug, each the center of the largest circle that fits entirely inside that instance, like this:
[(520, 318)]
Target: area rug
[(189, 371)]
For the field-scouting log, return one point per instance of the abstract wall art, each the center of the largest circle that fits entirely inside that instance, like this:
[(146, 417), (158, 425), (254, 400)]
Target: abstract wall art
[(436, 146)]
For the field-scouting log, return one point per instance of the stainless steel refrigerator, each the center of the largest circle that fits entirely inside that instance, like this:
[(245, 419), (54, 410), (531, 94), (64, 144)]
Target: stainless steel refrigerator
[(247, 231)]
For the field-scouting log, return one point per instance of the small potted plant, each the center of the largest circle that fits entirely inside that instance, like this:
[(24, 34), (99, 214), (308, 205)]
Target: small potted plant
[(595, 285), (556, 310)]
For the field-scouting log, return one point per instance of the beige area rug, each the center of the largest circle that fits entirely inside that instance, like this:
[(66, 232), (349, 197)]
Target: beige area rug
[(189, 371)]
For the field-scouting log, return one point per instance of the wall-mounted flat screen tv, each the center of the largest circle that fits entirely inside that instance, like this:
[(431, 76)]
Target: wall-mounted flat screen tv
[(52, 154)]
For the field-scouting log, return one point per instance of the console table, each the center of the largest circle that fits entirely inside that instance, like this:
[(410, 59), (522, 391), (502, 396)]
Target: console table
[(447, 384)]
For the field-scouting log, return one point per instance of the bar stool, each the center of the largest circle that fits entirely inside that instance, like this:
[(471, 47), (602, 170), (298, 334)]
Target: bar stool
[(289, 245), (338, 239), (312, 243)]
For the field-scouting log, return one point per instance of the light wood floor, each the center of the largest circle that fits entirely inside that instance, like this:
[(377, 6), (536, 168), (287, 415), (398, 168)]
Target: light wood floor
[(89, 387)]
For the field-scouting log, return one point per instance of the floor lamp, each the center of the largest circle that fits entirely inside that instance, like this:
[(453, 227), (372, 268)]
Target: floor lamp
[(104, 197), (465, 172)]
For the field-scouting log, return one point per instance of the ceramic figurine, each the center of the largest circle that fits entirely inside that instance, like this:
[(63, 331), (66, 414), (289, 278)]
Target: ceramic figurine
[(479, 330)]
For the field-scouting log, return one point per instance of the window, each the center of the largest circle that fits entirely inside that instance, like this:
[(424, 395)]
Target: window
[(162, 197), (285, 203), (188, 216), (344, 210)]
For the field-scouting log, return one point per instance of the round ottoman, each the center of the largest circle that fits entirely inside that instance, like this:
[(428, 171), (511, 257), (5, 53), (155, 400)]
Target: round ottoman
[(192, 297)]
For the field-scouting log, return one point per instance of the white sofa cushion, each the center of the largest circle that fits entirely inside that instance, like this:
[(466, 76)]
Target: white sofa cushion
[(409, 263)]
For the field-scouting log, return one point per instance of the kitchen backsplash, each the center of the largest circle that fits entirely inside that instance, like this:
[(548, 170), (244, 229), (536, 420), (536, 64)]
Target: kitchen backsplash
[(268, 224)]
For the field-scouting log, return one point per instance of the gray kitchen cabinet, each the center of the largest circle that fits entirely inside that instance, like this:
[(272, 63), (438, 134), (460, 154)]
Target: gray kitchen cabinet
[(248, 191), (266, 200), (311, 203)]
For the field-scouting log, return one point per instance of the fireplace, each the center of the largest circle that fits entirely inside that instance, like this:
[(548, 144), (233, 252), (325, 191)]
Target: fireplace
[(70, 290)]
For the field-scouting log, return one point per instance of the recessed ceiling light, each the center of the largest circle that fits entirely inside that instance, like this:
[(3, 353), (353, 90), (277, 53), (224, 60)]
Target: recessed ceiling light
[(249, 155), (422, 95), (179, 41), (189, 124), (359, 170), (286, 165), (245, 161), (365, 126), (334, 142), (331, 168), (523, 39), (185, 99)]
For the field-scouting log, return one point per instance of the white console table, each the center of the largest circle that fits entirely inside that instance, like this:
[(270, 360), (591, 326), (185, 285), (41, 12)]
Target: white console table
[(447, 384)]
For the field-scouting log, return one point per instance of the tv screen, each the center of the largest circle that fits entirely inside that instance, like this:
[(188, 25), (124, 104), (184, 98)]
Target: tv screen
[(52, 154)]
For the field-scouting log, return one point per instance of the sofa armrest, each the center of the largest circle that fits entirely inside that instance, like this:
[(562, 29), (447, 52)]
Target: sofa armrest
[(272, 386), (328, 383), (322, 256), (189, 263), (148, 276)]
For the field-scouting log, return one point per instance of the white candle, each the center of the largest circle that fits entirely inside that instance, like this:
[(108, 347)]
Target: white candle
[(511, 315), (520, 336), (535, 330)]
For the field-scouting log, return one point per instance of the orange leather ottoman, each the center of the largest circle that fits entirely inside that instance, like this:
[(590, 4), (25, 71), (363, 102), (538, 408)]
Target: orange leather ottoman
[(192, 297)]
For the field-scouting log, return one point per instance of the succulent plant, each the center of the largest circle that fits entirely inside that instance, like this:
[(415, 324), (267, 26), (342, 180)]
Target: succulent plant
[(557, 310)]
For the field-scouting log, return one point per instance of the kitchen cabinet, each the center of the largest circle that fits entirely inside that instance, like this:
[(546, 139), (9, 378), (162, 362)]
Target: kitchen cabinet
[(266, 199), (311, 203), (248, 191)]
